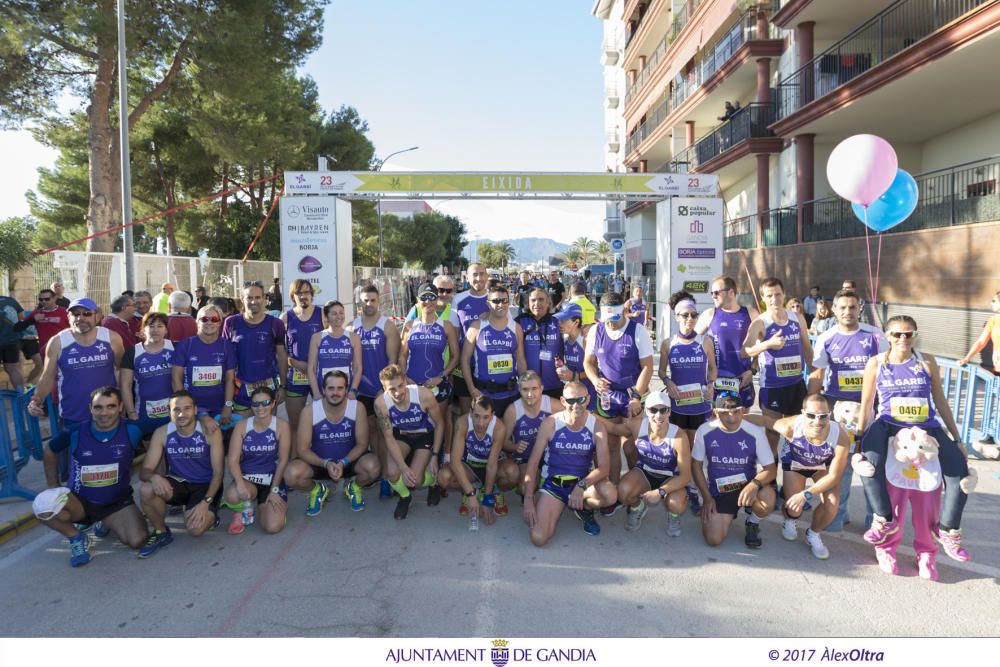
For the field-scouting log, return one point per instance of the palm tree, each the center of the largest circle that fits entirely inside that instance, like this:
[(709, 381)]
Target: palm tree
[(573, 257), (585, 247), (603, 253), (486, 252), (504, 253)]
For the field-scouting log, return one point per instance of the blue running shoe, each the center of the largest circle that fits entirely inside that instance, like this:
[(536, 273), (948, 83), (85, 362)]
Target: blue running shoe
[(317, 496), (79, 548), (156, 541), (100, 530), (590, 525), (353, 493), (384, 490), (694, 502)]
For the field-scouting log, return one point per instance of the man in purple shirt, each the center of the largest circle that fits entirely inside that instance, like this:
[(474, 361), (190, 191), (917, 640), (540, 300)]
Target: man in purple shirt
[(259, 340)]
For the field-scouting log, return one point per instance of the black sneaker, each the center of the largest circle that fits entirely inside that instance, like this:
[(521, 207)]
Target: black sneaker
[(752, 540), (402, 507), (433, 495)]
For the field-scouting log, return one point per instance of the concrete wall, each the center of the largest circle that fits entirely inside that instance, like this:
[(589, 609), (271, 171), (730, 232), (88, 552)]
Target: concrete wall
[(741, 198), (980, 138)]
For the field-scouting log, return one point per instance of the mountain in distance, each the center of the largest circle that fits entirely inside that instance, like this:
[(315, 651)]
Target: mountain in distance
[(529, 250)]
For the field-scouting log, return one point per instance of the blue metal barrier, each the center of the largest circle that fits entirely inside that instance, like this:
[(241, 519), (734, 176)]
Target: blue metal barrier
[(13, 412), (973, 394)]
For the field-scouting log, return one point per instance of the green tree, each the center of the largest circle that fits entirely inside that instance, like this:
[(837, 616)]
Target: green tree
[(603, 253), (49, 48), (15, 243), (505, 253), (486, 252), (585, 247), (455, 244)]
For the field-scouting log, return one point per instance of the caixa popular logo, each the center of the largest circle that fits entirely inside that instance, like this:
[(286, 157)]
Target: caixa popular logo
[(500, 653)]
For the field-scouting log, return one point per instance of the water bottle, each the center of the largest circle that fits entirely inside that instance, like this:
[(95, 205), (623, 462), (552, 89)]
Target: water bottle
[(474, 522), (605, 401)]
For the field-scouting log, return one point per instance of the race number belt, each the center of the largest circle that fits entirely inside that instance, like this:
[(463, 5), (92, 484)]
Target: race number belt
[(731, 483)]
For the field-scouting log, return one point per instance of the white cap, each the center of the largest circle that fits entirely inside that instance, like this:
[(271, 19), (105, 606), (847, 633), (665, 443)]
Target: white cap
[(50, 502), (657, 398)]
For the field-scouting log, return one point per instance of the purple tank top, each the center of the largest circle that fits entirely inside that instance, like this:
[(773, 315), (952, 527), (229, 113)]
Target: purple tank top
[(297, 337), (543, 344), (526, 428), (260, 450), (411, 420), (728, 330), (782, 368), (904, 393), (848, 354), (657, 458), (496, 360), (689, 371), (333, 440), (82, 369), (477, 450), (189, 457), (732, 459), (335, 353), (427, 344), (101, 470), (254, 345), (469, 309), (573, 354), (374, 356), (800, 454), (151, 373), (618, 360), (570, 452)]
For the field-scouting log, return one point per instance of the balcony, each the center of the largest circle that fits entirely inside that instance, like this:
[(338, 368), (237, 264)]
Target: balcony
[(611, 94), (609, 53), (883, 36), (614, 142), (653, 120), (750, 122), (614, 228), (959, 195)]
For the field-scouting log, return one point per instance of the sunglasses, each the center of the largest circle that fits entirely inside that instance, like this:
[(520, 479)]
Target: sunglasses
[(253, 283), (579, 400), (903, 334), (266, 403), (687, 316), (82, 313), (212, 318), (658, 411), (719, 291), (445, 290), (497, 302), (427, 297), (45, 298), (817, 416)]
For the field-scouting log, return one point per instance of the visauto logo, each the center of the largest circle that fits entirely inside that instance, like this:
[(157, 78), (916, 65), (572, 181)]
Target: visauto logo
[(294, 211)]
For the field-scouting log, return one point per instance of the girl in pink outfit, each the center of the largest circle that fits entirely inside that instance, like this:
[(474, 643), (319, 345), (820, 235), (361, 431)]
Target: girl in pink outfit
[(913, 477)]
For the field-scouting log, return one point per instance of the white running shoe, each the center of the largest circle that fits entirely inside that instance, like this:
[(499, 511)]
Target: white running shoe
[(673, 525), (815, 542), (634, 517), (790, 530)]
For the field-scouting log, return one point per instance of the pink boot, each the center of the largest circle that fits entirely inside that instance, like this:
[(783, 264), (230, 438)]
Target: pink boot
[(886, 560), (927, 567)]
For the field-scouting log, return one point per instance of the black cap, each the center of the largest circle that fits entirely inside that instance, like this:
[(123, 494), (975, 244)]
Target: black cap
[(427, 288)]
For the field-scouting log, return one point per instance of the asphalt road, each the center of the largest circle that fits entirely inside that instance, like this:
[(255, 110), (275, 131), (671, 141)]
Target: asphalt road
[(347, 574)]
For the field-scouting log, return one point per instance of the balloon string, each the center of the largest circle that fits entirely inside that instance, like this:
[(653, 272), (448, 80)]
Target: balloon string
[(878, 265), (868, 248)]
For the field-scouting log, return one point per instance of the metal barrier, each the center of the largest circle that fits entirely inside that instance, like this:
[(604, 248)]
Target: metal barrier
[(973, 394), (25, 434)]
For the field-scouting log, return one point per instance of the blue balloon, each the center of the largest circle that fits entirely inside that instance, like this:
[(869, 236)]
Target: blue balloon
[(893, 207)]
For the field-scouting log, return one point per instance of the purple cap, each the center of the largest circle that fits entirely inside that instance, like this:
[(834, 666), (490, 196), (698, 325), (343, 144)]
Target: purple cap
[(83, 302)]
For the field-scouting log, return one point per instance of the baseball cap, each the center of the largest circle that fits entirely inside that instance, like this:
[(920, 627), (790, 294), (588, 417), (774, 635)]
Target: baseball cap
[(568, 312), (50, 502), (427, 288), (657, 398), (82, 302)]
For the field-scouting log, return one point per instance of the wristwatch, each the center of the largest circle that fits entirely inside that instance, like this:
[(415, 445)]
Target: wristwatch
[(582, 484), (228, 404), (808, 496), (757, 484), (470, 494), (633, 394), (208, 500), (663, 493), (275, 490)]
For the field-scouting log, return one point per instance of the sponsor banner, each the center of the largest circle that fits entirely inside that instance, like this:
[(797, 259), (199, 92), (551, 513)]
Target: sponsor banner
[(696, 237), (345, 183), (309, 244)]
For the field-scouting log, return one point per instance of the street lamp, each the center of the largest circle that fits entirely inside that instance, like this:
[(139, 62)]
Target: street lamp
[(378, 202)]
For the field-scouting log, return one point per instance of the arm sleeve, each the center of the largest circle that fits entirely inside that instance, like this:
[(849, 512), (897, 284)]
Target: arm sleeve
[(128, 359)]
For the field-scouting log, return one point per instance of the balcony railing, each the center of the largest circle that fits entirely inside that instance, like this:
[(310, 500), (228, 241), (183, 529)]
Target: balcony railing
[(653, 120), (613, 227), (958, 195), (881, 37), (743, 30), (749, 122)]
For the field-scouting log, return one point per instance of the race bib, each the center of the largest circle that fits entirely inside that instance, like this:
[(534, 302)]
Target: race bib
[(298, 377), (801, 466), (850, 380), (727, 384), (788, 366), (158, 409), (99, 475), (263, 478), (690, 394), (499, 364), (731, 483), (206, 376), (911, 410), (545, 355)]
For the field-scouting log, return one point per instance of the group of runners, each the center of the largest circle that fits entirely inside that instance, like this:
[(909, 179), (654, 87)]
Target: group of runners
[(466, 397)]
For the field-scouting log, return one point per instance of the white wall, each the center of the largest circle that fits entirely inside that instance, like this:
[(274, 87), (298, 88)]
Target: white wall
[(978, 139), (741, 198), (783, 190)]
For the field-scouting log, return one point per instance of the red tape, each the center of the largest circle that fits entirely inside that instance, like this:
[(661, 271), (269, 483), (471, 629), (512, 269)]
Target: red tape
[(161, 214), (263, 223)]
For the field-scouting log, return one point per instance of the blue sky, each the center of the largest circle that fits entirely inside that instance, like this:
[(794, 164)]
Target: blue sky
[(479, 86)]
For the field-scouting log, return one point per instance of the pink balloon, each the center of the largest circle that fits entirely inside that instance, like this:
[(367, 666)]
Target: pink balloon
[(861, 168)]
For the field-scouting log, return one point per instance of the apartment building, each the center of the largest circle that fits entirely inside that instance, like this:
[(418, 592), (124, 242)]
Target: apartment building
[(806, 74)]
